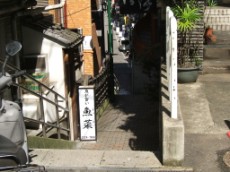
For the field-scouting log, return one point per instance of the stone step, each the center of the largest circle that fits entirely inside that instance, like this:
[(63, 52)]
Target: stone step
[(216, 66), (101, 160), (216, 60), (84, 160), (217, 19), (222, 40), (219, 26), (217, 10), (218, 53)]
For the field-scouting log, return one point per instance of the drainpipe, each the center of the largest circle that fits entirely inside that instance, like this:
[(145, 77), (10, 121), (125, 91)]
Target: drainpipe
[(15, 36), (57, 6), (110, 34)]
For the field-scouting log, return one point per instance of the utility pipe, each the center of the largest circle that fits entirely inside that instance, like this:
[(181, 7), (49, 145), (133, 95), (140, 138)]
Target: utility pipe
[(55, 6), (110, 34)]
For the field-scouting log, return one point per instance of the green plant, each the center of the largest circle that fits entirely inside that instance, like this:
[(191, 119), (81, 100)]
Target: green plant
[(211, 3), (187, 14)]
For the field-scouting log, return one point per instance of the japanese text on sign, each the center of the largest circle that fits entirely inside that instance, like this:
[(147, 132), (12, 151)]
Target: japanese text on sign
[(87, 113)]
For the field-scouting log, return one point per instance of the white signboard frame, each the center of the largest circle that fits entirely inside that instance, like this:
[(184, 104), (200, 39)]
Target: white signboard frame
[(87, 43), (88, 126)]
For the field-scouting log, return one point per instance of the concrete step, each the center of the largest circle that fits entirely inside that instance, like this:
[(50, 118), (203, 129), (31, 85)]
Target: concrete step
[(217, 55), (216, 66), (76, 159), (217, 10), (222, 19), (222, 39), (219, 26), (89, 160)]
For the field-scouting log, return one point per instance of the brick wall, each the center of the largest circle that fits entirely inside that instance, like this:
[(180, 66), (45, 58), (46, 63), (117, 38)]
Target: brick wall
[(217, 18), (78, 15), (51, 2), (88, 63)]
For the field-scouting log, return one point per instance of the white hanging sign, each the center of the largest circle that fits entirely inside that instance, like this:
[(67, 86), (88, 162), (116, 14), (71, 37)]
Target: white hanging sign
[(87, 113), (87, 43)]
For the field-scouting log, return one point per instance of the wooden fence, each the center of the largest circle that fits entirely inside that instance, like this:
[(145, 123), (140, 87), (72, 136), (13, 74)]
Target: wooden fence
[(103, 83)]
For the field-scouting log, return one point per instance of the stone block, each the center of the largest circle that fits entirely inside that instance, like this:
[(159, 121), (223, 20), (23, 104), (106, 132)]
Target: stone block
[(172, 141), (172, 130)]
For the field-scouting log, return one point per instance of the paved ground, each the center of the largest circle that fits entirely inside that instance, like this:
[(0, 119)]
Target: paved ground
[(126, 127), (206, 110)]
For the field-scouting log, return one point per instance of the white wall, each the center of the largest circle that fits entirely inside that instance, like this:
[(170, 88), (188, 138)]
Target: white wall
[(55, 64), (35, 43)]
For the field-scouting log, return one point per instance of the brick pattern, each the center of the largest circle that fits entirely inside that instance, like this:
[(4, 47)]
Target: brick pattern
[(127, 126), (51, 2), (218, 18), (78, 15), (88, 63)]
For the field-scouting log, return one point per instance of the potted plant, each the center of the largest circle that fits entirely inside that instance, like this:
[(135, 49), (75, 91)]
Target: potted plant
[(187, 13)]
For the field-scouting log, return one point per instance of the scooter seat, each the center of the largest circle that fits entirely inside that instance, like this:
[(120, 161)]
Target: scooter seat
[(9, 151)]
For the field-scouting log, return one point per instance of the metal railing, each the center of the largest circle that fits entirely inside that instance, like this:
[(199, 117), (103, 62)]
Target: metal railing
[(45, 125), (171, 59)]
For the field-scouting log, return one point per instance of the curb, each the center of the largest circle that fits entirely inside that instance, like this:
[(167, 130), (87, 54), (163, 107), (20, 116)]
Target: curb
[(120, 169)]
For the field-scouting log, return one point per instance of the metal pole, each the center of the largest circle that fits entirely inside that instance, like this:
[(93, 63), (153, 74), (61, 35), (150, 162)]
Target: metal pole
[(110, 28), (110, 50)]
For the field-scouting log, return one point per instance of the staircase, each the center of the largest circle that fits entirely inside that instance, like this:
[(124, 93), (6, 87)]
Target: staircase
[(42, 106), (217, 18), (217, 55)]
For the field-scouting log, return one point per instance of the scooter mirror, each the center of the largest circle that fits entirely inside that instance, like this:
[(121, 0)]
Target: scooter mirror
[(13, 48)]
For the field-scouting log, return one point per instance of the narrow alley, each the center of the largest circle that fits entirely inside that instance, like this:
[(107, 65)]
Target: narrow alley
[(131, 123), (127, 133)]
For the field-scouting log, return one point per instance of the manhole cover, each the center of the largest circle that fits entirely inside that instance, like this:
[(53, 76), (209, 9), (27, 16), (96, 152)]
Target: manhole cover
[(226, 158)]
